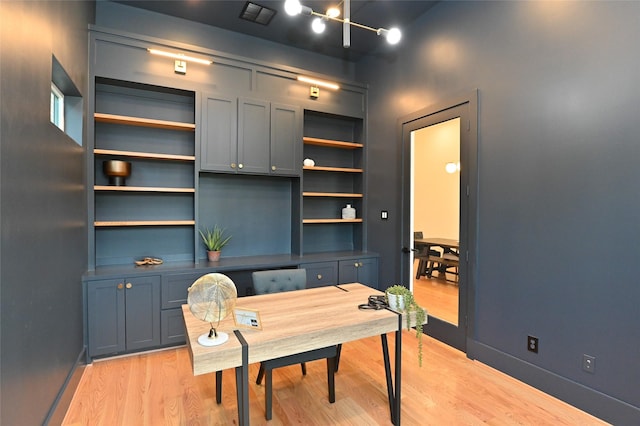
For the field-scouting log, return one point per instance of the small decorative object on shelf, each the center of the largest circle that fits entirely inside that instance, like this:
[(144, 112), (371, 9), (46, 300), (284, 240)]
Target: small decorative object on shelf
[(214, 239), (149, 261), (117, 171), (348, 212), (400, 299), (309, 162)]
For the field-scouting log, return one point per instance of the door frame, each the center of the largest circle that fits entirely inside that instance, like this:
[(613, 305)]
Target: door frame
[(464, 106)]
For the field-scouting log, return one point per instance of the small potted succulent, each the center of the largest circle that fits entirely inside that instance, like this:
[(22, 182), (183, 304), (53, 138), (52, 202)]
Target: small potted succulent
[(214, 239), (401, 299)]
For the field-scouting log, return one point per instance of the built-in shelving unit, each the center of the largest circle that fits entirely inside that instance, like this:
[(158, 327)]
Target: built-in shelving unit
[(335, 145), (153, 128)]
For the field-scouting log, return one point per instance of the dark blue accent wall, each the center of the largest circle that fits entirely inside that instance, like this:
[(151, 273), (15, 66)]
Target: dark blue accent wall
[(43, 250), (559, 203)]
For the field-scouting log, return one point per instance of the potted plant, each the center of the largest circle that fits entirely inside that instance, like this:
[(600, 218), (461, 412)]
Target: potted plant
[(401, 299), (214, 239)]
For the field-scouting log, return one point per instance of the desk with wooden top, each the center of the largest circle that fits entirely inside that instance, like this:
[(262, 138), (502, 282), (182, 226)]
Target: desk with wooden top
[(449, 256), (294, 322)]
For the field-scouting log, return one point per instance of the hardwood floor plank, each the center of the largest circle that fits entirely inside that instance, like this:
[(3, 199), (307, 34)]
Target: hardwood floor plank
[(158, 388)]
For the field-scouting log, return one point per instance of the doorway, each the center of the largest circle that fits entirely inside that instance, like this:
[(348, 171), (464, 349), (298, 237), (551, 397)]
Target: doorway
[(438, 230)]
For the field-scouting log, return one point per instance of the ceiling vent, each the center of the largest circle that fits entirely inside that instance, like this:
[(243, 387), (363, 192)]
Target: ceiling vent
[(256, 13)]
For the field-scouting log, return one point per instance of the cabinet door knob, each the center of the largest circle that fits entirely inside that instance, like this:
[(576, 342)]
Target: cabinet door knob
[(120, 286), (273, 168), (233, 165), (240, 166), (355, 264), (359, 264), (129, 285), (319, 276)]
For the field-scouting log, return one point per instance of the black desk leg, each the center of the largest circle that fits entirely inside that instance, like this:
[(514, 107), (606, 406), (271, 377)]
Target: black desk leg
[(394, 394), (218, 387), (242, 383)]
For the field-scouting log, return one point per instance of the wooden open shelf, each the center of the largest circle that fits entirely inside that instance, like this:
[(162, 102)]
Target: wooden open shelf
[(333, 169), (143, 122), (141, 189), (330, 194), (331, 143), (331, 220), (150, 155), (103, 223)]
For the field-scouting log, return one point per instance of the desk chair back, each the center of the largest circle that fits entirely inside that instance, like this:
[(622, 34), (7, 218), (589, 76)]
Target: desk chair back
[(279, 280)]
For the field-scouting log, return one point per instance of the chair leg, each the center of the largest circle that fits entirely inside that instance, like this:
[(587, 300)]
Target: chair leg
[(260, 374), (338, 350), (304, 368), (268, 394)]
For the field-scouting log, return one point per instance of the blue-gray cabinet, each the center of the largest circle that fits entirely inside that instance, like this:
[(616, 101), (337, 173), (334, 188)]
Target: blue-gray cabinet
[(363, 270), (251, 136), (320, 274), (123, 314)]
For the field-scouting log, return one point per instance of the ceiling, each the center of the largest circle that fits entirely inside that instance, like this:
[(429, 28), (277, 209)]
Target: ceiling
[(296, 31)]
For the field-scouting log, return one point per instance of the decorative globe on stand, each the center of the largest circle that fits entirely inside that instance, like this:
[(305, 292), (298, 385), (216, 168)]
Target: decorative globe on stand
[(211, 298)]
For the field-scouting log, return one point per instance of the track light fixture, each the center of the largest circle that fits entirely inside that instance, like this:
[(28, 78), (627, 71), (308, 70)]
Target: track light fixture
[(293, 8)]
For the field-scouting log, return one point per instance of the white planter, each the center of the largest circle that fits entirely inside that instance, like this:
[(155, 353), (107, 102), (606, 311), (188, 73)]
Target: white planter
[(396, 302)]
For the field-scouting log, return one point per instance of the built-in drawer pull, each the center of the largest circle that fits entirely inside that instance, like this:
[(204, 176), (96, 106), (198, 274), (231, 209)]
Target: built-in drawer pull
[(273, 168), (120, 286), (240, 165), (319, 276), (129, 285)]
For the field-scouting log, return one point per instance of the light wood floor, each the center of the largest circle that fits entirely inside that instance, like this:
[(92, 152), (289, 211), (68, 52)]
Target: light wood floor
[(159, 389), (439, 296)]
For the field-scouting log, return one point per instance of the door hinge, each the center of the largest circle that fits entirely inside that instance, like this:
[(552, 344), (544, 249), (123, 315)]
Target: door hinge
[(468, 125), (468, 190), (466, 255)]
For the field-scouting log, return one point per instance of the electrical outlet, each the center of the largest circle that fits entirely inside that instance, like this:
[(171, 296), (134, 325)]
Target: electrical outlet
[(532, 344), (589, 363)]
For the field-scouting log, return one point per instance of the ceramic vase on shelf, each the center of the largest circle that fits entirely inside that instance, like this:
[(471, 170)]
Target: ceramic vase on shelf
[(117, 171), (348, 212)]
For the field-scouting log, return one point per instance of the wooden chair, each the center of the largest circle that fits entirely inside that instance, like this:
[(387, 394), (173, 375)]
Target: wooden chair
[(276, 281), (423, 255)]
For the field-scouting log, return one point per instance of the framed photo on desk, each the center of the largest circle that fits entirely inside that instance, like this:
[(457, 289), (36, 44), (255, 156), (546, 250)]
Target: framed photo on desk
[(247, 318)]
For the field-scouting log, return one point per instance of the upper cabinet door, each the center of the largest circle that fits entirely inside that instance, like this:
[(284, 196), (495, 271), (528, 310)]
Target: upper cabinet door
[(286, 140), (253, 136), (218, 144)]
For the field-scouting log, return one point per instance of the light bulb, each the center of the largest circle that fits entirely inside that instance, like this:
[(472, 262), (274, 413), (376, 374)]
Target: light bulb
[(318, 25), (393, 36), (292, 7), (333, 12)]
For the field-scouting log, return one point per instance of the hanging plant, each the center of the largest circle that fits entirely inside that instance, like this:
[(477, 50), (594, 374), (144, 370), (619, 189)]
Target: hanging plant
[(409, 306)]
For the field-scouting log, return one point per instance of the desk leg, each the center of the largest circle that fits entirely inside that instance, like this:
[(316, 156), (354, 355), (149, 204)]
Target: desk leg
[(394, 394), (218, 387), (242, 383)]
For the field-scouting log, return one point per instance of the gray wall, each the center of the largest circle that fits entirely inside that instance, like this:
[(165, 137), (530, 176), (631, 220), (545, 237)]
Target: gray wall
[(42, 210), (559, 203)]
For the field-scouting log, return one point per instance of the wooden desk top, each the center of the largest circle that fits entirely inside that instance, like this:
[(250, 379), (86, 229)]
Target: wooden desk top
[(292, 322)]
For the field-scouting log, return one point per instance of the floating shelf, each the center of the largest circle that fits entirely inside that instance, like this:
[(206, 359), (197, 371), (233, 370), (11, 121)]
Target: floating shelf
[(331, 220), (331, 194), (333, 169), (103, 223), (331, 143), (141, 189), (143, 122), (150, 155)]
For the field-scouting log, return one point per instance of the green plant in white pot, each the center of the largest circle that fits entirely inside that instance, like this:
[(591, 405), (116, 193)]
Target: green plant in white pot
[(214, 240), (401, 299)]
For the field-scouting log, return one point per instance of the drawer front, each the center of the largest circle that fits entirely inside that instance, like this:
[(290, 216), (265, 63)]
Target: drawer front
[(174, 289), (321, 274)]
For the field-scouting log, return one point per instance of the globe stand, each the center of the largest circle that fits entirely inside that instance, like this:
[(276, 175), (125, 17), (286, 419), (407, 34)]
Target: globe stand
[(213, 338)]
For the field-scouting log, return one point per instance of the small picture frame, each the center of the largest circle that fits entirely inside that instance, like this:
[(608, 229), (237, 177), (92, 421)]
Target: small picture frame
[(247, 318)]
